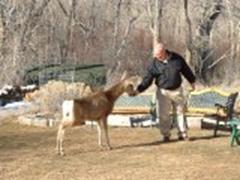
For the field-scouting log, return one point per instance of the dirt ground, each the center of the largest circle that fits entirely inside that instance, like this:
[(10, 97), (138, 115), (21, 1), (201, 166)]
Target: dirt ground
[(28, 153)]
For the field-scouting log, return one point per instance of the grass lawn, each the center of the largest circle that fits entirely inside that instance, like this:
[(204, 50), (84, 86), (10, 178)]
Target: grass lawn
[(28, 153)]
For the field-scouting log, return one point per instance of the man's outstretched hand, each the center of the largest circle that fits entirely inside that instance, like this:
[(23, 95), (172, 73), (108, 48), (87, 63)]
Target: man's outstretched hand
[(134, 93)]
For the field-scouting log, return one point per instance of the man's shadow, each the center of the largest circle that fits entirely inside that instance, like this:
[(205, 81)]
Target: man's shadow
[(154, 143), (196, 138)]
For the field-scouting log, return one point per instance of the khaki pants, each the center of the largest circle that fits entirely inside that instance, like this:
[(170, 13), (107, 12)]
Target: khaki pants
[(171, 101)]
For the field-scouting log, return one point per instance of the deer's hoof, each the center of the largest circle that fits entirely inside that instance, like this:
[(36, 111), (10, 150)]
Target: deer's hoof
[(109, 148), (61, 153)]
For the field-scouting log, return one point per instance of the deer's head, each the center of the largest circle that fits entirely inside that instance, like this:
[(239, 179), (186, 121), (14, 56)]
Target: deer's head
[(130, 84)]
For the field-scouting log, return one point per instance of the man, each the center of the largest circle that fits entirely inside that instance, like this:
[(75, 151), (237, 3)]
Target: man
[(166, 69)]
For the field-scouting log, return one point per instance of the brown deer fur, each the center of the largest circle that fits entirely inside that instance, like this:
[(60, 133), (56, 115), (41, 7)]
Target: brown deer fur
[(95, 107)]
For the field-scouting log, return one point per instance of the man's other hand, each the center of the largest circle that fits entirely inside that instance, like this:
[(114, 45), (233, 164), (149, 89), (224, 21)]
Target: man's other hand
[(192, 87)]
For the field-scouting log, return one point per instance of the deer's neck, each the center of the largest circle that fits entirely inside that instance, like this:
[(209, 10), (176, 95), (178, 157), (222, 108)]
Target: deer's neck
[(114, 92)]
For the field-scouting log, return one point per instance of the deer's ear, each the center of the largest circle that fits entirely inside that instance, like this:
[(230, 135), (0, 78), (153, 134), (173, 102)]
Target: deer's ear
[(124, 75)]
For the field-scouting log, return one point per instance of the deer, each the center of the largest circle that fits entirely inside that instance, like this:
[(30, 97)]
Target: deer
[(95, 107)]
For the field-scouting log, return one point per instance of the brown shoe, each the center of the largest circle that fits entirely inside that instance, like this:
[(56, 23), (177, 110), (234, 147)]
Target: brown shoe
[(166, 139), (182, 136)]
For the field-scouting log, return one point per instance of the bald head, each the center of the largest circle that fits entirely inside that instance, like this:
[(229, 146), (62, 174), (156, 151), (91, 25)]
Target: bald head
[(159, 51)]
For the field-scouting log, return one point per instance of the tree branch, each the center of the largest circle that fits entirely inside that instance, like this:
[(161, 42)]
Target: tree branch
[(126, 34), (64, 10)]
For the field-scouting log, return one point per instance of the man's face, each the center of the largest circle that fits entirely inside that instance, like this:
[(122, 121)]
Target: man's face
[(160, 52)]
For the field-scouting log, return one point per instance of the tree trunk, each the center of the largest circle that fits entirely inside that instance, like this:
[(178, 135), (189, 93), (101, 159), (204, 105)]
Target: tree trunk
[(233, 37), (189, 36), (2, 30), (157, 21)]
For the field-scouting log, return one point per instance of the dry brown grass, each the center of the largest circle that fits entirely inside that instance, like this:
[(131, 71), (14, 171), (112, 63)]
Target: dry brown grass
[(27, 153)]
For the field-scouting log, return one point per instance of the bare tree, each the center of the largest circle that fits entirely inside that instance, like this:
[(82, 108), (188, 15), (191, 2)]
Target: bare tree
[(67, 42), (199, 45), (17, 29), (232, 13), (117, 33), (119, 44)]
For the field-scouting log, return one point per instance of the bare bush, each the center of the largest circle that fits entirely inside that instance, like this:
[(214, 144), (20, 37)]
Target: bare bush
[(50, 97)]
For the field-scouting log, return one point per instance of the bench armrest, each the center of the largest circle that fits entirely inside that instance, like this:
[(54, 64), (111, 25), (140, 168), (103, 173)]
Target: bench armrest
[(219, 106)]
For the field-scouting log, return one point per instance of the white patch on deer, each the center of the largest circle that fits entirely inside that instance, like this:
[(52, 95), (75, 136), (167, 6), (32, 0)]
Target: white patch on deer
[(67, 107)]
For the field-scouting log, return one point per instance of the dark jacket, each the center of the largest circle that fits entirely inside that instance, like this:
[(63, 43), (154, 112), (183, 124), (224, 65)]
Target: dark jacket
[(167, 75)]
